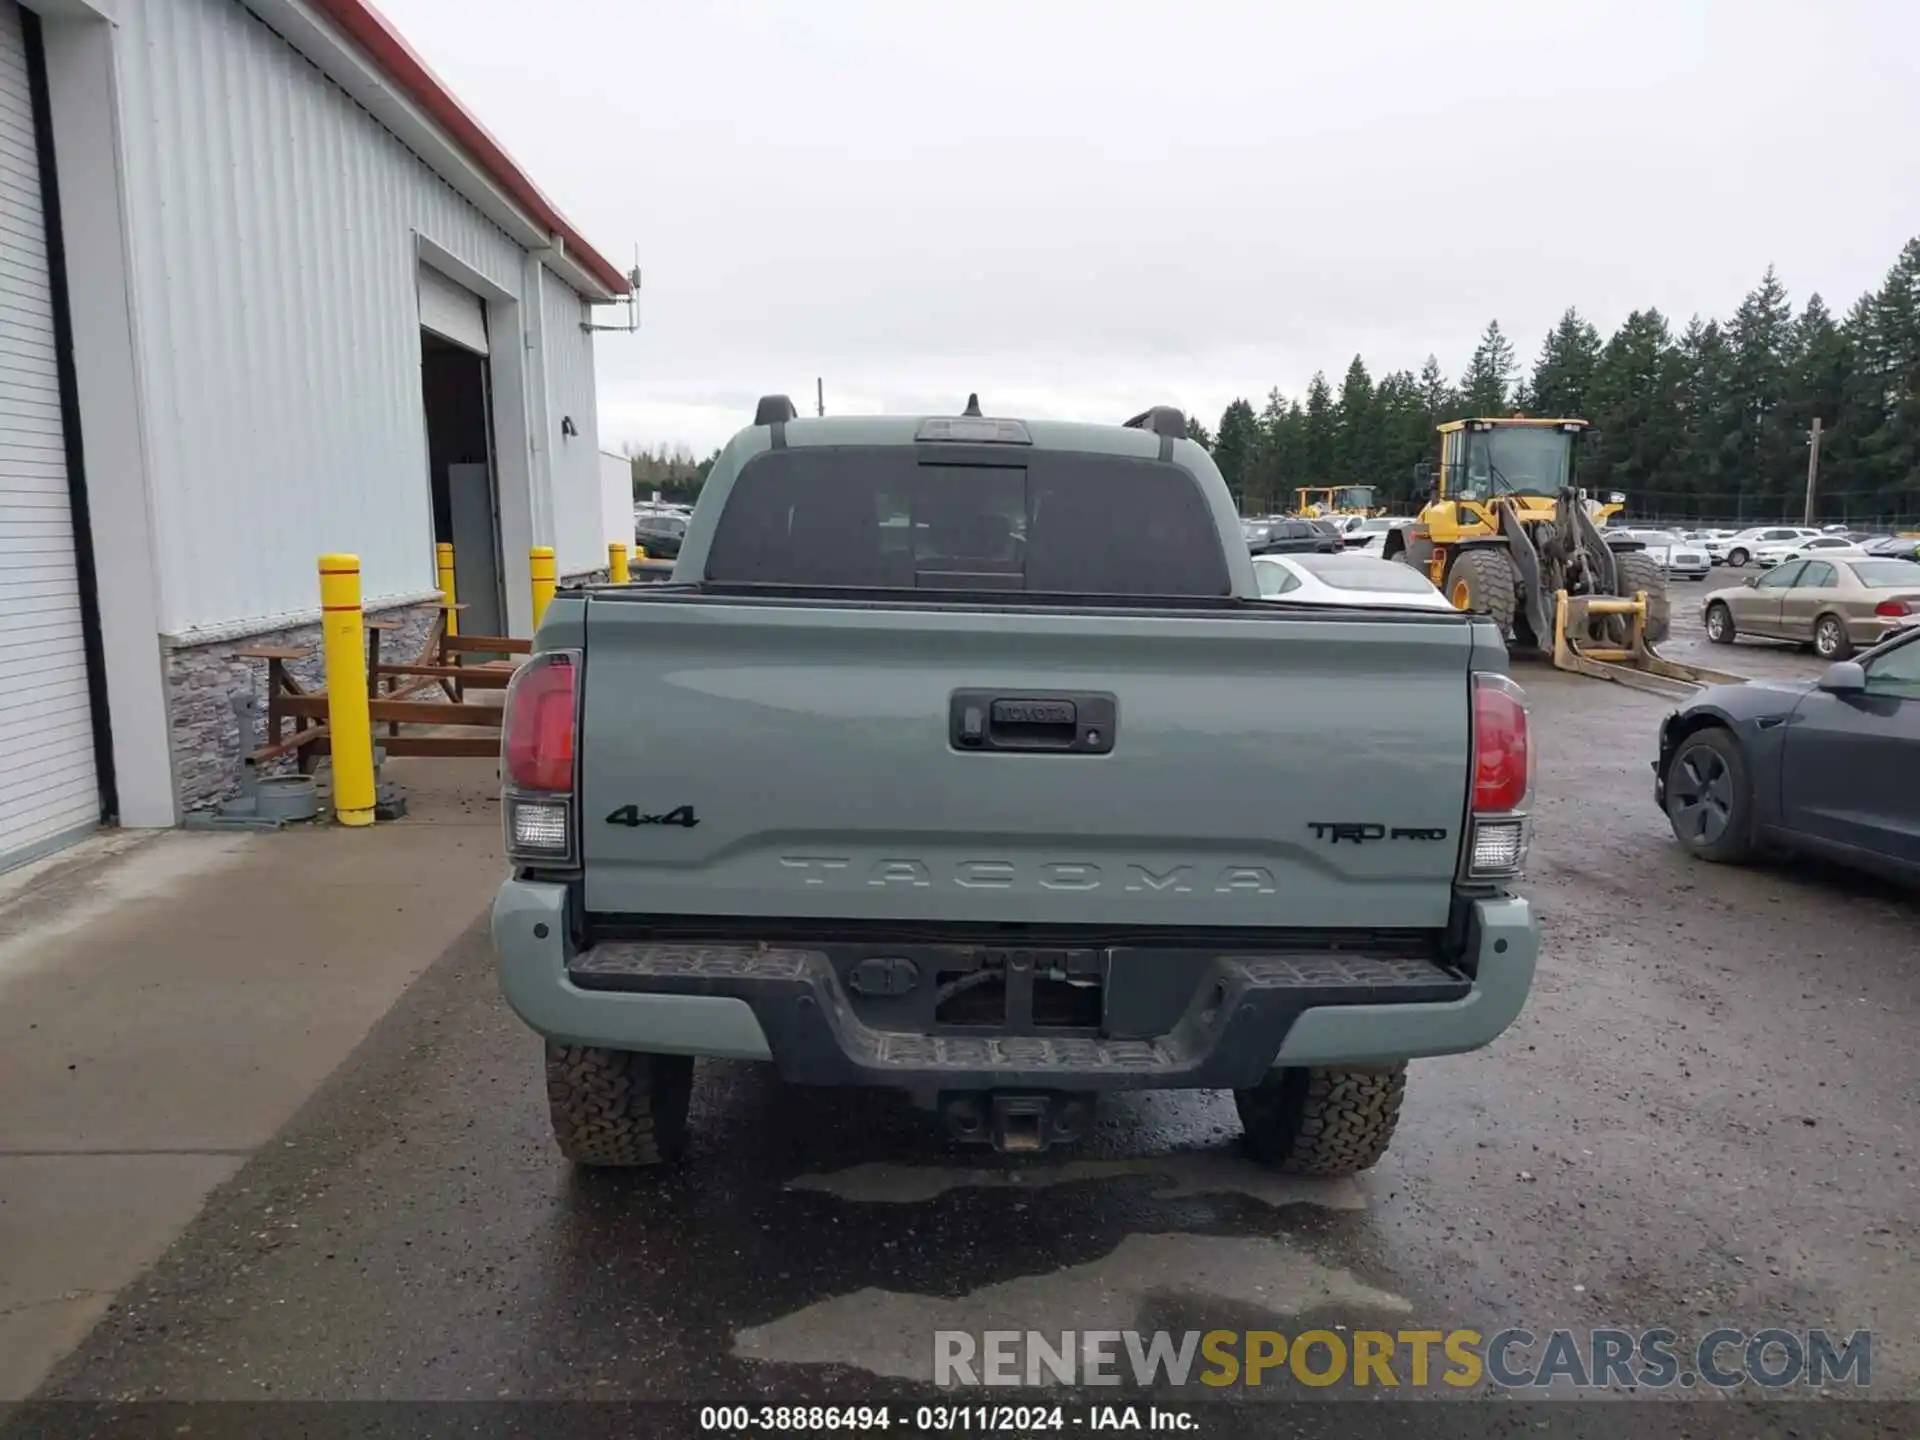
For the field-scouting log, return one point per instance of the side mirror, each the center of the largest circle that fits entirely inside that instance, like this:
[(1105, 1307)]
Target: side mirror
[(1751, 581), (1844, 677)]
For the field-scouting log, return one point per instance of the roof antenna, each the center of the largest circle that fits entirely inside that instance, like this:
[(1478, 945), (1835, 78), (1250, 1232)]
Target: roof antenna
[(973, 407)]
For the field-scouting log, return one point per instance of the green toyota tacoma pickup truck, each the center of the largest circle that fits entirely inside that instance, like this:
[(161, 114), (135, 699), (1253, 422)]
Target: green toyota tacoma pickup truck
[(960, 756)]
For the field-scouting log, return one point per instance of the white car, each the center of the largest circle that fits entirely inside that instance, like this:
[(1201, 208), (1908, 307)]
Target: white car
[(1345, 579), (1772, 552), (1671, 552), (1348, 525), (1738, 548), (1370, 538)]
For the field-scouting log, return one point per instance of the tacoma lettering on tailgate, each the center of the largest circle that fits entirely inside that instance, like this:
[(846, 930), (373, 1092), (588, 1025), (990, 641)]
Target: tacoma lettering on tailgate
[(1047, 875)]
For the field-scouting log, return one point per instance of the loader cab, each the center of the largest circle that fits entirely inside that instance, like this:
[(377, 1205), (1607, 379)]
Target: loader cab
[(1482, 460), (1317, 500)]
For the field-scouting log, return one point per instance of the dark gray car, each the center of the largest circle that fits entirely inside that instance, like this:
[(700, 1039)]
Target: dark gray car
[(1292, 537), (1828, 766), (660, 534)]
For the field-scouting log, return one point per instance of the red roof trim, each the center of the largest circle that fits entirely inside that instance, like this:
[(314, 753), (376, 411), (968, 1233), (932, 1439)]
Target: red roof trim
[(372, 32)]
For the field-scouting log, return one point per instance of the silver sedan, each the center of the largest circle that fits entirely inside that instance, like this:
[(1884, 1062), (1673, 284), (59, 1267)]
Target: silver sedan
[(1837, 605)]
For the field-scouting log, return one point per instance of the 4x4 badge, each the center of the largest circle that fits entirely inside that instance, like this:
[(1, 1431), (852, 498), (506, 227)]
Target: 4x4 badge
[(630, 815)]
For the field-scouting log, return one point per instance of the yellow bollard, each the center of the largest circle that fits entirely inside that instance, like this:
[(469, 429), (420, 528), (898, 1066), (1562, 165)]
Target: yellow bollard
[(617, 562), (639, 552), (443, 562), (349, 727), (540, 562)]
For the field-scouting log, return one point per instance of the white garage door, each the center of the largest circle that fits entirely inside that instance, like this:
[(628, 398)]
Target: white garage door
[(48, 789), (452, 311)]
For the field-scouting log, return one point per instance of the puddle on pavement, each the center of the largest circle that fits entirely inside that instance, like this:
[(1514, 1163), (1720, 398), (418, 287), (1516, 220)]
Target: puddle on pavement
[(890, 1334), (1178, 1176)]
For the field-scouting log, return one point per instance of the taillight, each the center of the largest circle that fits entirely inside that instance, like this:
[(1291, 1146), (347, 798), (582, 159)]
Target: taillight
[(1502, 778), (536, 758), (1892, 609), (537, 740), (1500, 759)]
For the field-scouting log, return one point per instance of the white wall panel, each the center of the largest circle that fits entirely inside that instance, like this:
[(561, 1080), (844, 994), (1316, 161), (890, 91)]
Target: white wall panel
[(616, 498), (273, 260), (578, 543)]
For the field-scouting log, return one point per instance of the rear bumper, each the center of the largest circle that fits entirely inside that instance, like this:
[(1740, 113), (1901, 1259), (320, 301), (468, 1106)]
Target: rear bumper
[(1871, 630), (786, 1005)]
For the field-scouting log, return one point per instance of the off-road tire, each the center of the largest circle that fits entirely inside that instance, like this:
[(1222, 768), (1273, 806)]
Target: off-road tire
[(1715, 743), (1640, 571), (1723, 632), (1738, 558), (1490, 585), (1830, 638), (1310, 1121), (618, 1108)]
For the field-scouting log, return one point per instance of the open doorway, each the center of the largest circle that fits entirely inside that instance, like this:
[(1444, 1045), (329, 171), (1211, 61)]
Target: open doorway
[(466, 511)]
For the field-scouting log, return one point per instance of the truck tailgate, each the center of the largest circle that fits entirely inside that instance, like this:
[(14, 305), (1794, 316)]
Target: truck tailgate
[(799, 760)]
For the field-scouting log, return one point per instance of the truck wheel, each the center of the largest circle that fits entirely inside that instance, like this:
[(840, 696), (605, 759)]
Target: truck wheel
[(1483, 581), (1737, 557), (1640, 571), (618, 1108), (1309, 1121)]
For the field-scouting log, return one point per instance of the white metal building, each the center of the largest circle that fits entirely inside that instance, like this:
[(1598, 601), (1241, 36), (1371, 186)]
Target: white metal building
[(266, 291)]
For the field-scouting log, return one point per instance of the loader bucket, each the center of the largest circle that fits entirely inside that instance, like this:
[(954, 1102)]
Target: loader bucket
[(1633, 663)]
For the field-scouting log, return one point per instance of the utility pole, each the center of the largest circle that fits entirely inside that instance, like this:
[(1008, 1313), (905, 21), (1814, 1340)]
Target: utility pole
[(819, 396), (1813, 467)]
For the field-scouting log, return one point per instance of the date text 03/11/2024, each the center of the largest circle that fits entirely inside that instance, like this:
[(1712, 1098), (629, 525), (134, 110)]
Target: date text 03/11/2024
[(935, 1419)]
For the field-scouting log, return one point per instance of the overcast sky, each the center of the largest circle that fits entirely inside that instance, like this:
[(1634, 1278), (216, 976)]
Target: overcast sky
[(1083, 207)]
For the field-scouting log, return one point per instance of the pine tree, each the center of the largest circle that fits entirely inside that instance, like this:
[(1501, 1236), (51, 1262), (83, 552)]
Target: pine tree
[(1441, 401), (1356, 429), (1891, 393), (1707, 418), (1406, 434), (1758, 340), (1277, 460), (1636, 392), (1233, 449), (1563, 375), (1198, 433), (1485, 387), (1320, 438), (1823, 359)]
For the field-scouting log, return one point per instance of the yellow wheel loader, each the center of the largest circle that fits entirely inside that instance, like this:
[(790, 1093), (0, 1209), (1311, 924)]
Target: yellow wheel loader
[(1506, 531), (1321, 501)]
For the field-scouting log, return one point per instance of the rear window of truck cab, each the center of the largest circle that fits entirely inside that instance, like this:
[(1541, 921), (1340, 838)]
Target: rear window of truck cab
[(1056, 522)]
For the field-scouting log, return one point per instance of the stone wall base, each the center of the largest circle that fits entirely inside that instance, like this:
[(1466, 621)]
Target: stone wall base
[(202, 680)]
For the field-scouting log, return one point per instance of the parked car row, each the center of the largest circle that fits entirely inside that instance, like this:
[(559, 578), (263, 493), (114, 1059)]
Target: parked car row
[(1767, 545), (1298, 534), (1290, 534), (1681, 558)]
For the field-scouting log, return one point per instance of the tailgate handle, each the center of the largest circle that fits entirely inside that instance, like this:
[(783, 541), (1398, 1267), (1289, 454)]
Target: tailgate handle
[(1066, 724)]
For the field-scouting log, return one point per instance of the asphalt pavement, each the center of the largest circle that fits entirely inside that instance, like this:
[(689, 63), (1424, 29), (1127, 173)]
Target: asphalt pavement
[(1707, 1115)]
